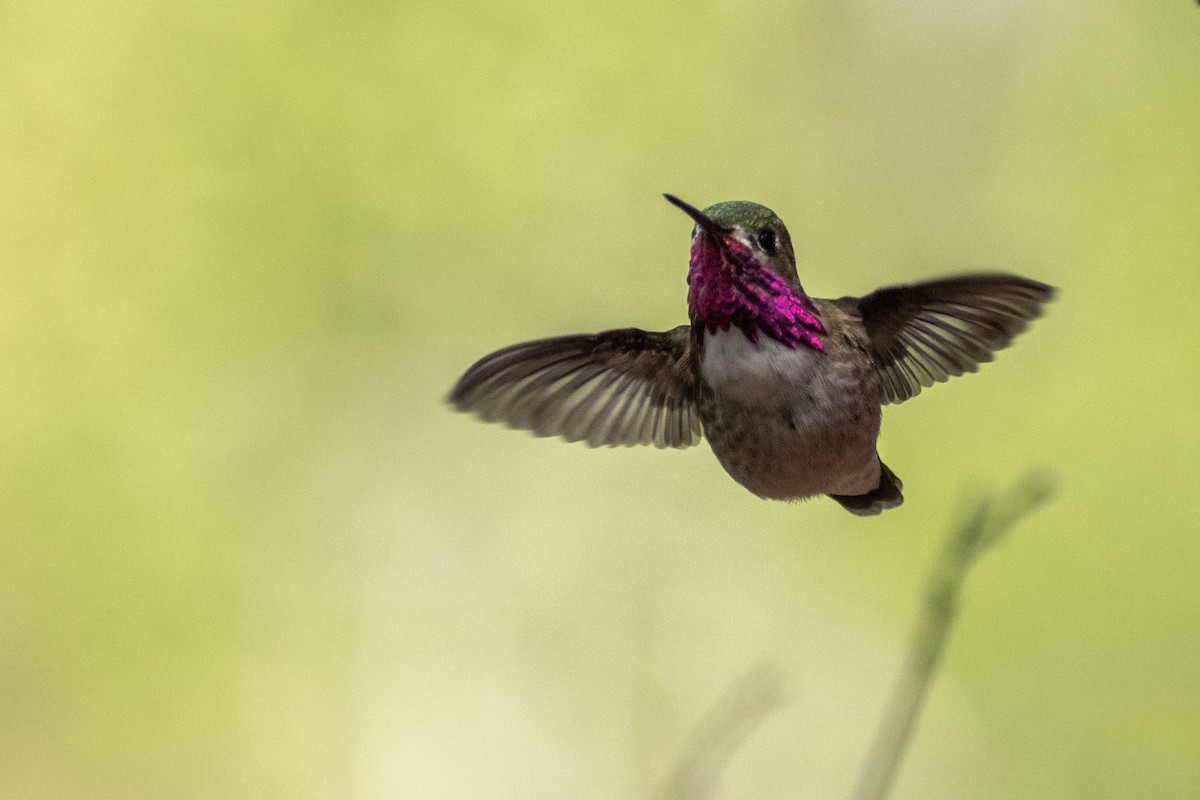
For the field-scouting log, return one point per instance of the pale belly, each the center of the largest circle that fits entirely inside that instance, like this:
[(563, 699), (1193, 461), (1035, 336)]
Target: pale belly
[(789, 424)]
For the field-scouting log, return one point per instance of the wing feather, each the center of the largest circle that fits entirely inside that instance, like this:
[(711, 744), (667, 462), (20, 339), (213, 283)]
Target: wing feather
[(926, 333), (619, 387)]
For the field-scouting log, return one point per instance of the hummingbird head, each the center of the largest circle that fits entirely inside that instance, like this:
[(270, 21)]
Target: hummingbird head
[(760, 230), (743, 272)]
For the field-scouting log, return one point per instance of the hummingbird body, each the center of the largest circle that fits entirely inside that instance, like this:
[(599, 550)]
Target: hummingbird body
[(788, 389), (787, 423)]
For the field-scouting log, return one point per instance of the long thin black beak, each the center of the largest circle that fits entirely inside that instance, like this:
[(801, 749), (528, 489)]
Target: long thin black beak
[(706, 223)]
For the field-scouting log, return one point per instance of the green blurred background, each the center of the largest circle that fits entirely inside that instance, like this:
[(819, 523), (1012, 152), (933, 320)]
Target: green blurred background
[(245, 250)]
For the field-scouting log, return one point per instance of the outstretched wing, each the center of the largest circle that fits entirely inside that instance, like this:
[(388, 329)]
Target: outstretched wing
[(928, 332), (621, 387)]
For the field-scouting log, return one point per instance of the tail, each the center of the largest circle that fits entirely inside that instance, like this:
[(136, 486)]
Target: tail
[(884, 496)]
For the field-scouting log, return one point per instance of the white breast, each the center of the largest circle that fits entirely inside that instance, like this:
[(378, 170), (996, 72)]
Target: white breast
[(763, 373)]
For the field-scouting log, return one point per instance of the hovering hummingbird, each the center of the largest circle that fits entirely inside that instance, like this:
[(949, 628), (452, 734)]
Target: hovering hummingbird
[(787, 388)]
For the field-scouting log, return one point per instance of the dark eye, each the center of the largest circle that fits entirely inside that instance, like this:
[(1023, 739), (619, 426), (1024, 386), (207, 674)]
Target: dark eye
[(766, 240)]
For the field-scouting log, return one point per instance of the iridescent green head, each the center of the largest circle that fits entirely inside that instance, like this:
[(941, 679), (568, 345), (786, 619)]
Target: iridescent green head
[(742, 272), (757, 226)]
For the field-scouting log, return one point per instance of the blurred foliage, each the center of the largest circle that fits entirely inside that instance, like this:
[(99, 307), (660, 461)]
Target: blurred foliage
[(246, 551)]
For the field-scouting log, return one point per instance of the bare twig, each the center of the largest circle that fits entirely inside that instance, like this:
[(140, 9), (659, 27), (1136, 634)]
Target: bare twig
[(743, 708), (984, 526)]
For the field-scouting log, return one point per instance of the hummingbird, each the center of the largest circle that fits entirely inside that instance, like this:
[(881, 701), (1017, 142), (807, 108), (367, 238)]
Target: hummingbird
[(787, 388)]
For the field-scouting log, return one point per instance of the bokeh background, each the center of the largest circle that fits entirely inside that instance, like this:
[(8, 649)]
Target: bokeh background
[(245, 250)]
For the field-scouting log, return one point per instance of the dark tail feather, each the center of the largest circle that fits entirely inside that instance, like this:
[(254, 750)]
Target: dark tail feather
[(886, 495)]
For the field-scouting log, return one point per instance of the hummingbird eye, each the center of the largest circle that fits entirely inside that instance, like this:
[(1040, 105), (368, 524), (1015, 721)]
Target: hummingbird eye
[(766, 240)]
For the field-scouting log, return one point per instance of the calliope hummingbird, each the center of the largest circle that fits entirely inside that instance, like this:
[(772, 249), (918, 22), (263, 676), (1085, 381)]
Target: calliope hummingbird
[(788, 389)]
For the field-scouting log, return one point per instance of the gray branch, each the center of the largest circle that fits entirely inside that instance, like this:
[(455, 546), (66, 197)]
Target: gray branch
[(745, 706), (982, 527)]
